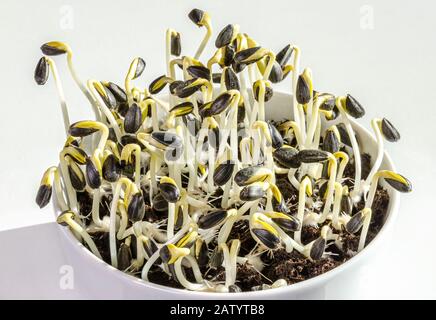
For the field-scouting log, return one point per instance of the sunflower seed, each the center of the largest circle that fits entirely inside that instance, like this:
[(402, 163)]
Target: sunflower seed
[(124, 257), (53, 48), (276, 137), (400, 186), (353, 107), (252, 193), (44, 195), (176, 46), (231, 79), (199, 72), (159, 203), (164, 139), (223, 172), (355, 223), (182, 109), (41, 71), (312, 156), (331, 142), (169, 191), (117, 92), (284, 55), (140, 66), (158, 84), (77, 177), (111, 168), (266, 238), (133, 119), (251, 174), (196, 16), (226, 36), (92, 174), (287, 156), (136, 208), (276, 74), (303, 91), (389, 131), (290, 223), (317, 249), (212, 219)]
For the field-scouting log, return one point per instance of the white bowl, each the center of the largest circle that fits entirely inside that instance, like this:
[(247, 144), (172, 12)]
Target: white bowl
[(100, 280)]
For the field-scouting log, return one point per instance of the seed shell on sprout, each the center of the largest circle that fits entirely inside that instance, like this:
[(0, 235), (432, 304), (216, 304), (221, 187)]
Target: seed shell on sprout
[(169, 192), (226, 36), (76, 130), (221, 103), (399, 186), (43, 195), (269, 240), (118, 92), (111, 169), (228, 55), (347, 205), (353, 107), (182, 109), (139, 68), (252, 193), (345, 138), (284, 55), (159, 203), (136, 208), (50, 50), (41, 71), (163, 139), (251, 174), (318, 248), (201, 252), (329, 104), (108, 98), (124, 257), (199, 72), (186, 89), (175, 85), (389, 131), (331, 142), (78, 181), (216, 258), (355, 223), (158, 84), (196, 16), (176, 45), (276, 137), (303, 91), (312, 155), (231, 79), (276, 74), (268, 91), (289, 224), (248, 56), (92, 175), (211, 219), (133, 119), (287, 156), (223, 172)]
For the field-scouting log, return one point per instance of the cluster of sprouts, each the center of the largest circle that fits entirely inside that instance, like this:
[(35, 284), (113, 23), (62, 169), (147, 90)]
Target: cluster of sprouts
[(169, 178)]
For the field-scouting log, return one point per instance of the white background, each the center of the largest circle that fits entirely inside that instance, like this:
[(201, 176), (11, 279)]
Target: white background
[(390, 69)]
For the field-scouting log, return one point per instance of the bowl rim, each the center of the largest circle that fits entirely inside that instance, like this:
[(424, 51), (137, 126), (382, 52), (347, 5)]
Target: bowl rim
[(292, 288)]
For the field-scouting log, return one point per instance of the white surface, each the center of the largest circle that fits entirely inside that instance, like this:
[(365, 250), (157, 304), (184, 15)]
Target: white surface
[(389, 69)]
